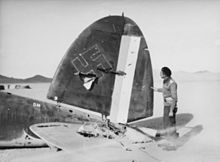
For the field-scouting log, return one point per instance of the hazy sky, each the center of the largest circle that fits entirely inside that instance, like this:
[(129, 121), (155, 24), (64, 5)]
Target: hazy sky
[(35, 34)]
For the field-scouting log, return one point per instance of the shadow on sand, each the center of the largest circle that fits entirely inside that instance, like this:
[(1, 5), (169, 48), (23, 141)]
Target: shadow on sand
[(174, 144), (157, 123)]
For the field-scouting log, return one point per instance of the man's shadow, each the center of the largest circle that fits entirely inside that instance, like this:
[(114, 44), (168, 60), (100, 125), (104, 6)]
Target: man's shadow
[(181, 121), (179, 142), (157, 123)]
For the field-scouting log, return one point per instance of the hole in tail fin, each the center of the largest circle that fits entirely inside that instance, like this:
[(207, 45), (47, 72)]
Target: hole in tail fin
[(89, 80)]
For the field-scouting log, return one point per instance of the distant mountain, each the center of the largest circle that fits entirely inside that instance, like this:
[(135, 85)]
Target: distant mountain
[(197, 76), (202, 72), (4, 79), (37, 78), (190, 76), (34, 79)]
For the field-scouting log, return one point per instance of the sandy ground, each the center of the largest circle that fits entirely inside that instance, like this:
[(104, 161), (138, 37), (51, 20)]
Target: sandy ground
[(201, 99)]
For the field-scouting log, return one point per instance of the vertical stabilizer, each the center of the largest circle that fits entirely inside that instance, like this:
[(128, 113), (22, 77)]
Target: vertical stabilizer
[(107, 69)]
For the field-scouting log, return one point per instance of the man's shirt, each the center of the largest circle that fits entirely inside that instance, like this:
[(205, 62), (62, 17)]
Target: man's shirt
[(169, 91)]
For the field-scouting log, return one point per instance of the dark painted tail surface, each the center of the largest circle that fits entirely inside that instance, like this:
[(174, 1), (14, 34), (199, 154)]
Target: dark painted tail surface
[(86, 74)]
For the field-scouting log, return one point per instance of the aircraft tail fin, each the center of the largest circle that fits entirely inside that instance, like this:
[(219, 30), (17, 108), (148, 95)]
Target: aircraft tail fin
[(107, 70)]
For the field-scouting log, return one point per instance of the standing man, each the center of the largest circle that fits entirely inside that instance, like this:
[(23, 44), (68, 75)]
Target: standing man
[(169, 91)]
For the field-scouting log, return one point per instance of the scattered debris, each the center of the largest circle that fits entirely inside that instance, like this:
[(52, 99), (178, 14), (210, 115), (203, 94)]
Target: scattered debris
[(128, 149), (142, 142), (106, 130), (2, 87), (49, 125)]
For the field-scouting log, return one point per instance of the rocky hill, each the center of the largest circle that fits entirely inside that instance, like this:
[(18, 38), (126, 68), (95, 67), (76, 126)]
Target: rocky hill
[(34, 79)]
